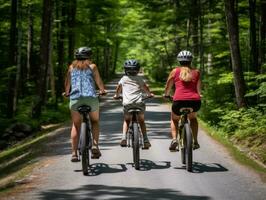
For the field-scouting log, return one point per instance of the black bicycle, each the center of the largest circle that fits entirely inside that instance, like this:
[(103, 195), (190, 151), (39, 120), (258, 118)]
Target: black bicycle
[(134, 135), (185, 137)]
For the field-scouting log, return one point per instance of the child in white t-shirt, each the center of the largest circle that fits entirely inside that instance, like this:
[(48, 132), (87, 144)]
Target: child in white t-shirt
[(132, 87)]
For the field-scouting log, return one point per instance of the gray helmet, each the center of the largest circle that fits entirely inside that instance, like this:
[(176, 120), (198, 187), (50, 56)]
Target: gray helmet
[(184, 56), (83, 53), (131, 67)]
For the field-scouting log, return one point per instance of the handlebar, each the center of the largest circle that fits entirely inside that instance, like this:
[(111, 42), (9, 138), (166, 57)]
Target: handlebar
[(143, 99), (168, 97), (97, 93)]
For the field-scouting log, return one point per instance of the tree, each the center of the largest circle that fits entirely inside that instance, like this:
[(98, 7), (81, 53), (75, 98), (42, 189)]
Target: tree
[(253, 40), (44, 57), (12, 59), (233, 32)]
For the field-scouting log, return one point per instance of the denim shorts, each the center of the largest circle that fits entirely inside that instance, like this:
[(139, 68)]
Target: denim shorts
[(93, 102)]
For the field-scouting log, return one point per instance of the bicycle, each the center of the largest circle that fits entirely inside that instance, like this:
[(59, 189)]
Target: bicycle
[(134, 135), (85, 137), (185, 137)]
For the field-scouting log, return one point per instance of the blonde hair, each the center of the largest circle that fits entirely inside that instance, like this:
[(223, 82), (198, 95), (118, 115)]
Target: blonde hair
[(81, 64), (185, 74)]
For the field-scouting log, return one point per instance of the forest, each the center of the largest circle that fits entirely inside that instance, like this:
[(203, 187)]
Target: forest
[(227, 39)]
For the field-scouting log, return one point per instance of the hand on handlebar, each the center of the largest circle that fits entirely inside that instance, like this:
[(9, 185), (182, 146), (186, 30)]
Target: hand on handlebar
[(168, 97), (102, 92)]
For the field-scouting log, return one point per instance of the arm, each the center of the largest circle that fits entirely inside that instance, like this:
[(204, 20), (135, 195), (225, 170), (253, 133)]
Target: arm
[(199, 85), (98, 78), (118, 90), (147, 90), (170, 82), (68, 82)]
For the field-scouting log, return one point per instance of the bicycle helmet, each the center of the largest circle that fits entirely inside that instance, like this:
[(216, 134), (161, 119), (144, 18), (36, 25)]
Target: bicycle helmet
[(184, 56), (131, 67), (83, 53)]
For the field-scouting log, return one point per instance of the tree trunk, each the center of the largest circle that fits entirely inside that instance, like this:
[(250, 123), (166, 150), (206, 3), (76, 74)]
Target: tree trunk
[(262, 35), (29, 42), (12, 59), (61, 25), (194, 26), (19, 44), (232, 26), (44, 57), (253, 41), (201, 49), (71, 28)]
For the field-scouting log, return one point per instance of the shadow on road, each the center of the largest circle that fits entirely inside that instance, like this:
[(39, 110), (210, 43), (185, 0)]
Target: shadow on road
[(102, 168), (117, 192), (201, 168), (146, 165)]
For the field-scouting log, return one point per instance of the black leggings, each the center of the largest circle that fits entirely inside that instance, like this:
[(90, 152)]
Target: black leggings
[(195, 104)]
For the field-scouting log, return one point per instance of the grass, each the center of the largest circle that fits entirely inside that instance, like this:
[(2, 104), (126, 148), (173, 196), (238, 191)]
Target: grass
[(240, 156), (18, 161)]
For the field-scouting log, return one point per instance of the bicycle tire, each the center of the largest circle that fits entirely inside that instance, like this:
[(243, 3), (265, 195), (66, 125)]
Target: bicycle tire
[(84, 148), (189, 151), (136, 145), (183, 146)]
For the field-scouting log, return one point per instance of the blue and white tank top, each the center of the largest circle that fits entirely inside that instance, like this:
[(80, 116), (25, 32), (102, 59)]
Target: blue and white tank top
[(82, 83)]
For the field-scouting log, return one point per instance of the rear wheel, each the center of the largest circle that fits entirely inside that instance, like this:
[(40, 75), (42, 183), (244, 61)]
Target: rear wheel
[(84, 148), (183, 146), (189, 150), (136, 145)]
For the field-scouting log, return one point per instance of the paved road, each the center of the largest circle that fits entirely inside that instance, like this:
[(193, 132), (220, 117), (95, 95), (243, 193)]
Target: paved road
[(162, 176)]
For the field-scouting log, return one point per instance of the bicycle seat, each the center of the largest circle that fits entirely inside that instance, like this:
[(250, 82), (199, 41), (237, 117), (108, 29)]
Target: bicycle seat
[(186, 110), (84, 109), (131, 110)]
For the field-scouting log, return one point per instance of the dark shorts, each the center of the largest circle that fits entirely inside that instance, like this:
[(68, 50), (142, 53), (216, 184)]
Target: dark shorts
[(195, 104), (140, 106)]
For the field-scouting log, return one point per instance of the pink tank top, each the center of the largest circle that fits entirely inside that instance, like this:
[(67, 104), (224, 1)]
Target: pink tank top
[(186, 90)]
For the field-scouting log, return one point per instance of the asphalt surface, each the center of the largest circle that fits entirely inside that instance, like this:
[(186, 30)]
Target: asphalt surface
[(161, 176)]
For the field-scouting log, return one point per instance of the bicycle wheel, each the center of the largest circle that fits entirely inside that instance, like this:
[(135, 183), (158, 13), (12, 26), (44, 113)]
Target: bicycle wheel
[(136, 145), (189, 150), (183, 146), (84, 148)]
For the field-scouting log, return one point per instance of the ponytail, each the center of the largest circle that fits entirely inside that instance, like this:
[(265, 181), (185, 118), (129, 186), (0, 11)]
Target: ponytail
[(185, 74)]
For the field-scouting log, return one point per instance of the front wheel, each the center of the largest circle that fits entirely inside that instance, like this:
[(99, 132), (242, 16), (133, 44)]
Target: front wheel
[(189, 150), (136, 145)]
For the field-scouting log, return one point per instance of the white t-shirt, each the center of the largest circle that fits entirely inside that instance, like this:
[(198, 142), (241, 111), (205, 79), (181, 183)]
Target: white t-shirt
[(132, 88)]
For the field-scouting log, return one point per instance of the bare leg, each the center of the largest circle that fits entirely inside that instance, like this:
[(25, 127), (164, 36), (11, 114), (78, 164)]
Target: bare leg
[(94, 118), (126, 122), (142, 124), (174, 125), (76, 119), (194, 127)]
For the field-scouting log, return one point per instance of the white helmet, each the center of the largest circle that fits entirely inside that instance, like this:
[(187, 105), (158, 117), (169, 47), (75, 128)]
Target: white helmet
[(184, 56)]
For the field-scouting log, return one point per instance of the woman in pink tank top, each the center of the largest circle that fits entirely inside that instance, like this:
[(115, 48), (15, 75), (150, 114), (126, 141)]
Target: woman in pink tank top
[(187, 94)]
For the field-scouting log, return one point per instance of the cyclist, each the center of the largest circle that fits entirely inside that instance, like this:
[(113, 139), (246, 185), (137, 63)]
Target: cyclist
[(186, 81), (80, 87), (132, 87)]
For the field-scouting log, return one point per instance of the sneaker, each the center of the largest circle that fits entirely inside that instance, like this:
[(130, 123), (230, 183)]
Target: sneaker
[(147, 143), (123, 143), (174, 146), (95, 152), (196, 146)]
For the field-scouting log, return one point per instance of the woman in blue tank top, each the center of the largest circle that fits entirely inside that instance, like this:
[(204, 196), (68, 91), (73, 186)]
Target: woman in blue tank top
[(80, 87)]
